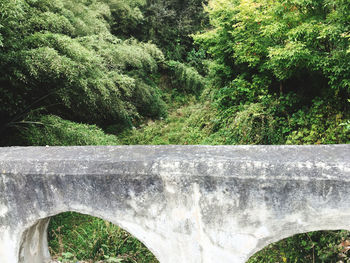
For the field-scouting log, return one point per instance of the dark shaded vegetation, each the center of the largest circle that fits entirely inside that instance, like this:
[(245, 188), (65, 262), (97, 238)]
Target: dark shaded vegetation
[(108, 72)]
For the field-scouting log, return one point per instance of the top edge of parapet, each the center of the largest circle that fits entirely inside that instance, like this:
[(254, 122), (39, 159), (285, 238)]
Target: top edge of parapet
[(325, 162), (264, 153)]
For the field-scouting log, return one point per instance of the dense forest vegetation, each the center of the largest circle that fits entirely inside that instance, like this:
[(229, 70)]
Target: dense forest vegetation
[(111, 72)]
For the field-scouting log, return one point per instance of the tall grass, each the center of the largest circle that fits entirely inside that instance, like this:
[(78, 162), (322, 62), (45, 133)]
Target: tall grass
[(74, 236)]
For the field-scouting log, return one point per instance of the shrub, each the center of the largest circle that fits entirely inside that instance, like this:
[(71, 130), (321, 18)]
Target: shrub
[(189, 124), (320, 124)]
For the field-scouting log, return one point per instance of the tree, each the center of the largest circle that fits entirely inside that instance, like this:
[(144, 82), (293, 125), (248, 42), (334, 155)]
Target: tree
[(60, 56), (169, 24), (279, 46)]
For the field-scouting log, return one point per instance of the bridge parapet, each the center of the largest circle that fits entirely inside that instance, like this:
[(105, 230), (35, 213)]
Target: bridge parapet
[(185, 203)]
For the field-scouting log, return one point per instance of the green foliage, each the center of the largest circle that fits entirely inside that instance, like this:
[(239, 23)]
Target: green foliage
[(320, 246), (75, 237), (267, 122), (300, 46), (198, 60), (201, 123), (346, 125), (253, 124), (1, 37), (127, 16), (321, 124), (61, 53), (189, 124), (185, 78), (169, 25), (54, 131), (240, 91)]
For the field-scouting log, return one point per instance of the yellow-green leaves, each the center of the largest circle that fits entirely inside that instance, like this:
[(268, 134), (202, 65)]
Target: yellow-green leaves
[(284, 39)]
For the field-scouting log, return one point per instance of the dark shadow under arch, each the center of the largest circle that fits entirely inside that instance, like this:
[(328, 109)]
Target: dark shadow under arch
[(317, 246)]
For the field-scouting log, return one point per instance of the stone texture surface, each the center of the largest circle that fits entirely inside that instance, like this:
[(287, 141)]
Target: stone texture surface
[(187, 204)]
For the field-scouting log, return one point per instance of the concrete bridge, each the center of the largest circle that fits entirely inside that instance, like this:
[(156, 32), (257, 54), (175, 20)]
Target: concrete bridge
[(187, 204)]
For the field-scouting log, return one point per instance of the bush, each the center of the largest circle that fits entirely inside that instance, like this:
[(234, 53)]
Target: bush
[(189, 124), (320, 124), (253, 124)]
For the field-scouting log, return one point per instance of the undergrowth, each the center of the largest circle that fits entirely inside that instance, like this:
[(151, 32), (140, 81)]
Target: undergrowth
[(75, 236), (200, 122)]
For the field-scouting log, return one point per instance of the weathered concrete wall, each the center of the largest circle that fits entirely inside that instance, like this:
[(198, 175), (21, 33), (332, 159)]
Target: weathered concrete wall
[(187, 204)]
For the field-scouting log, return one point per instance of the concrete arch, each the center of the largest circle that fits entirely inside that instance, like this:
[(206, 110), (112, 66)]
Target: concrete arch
[(45, 195), (187, 204), (33, 246)]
